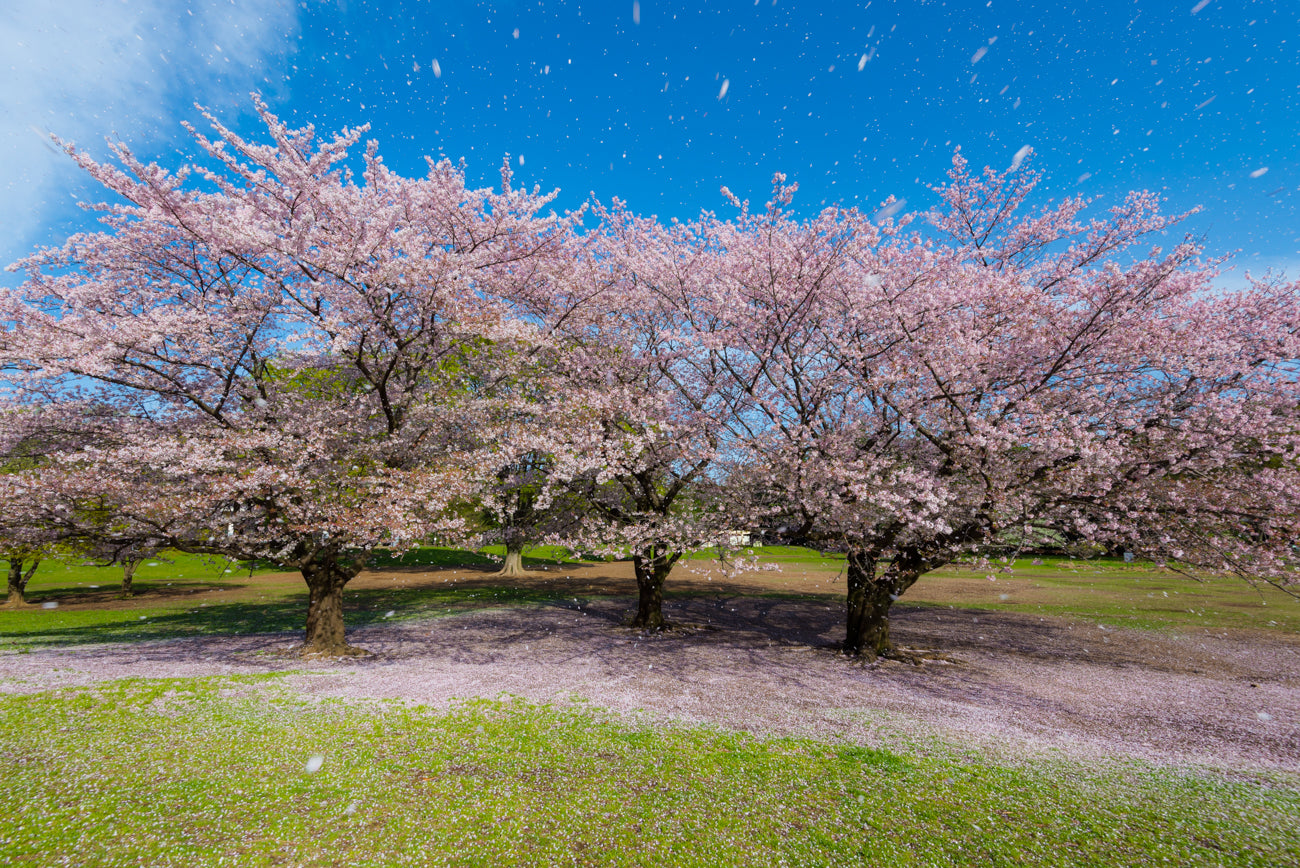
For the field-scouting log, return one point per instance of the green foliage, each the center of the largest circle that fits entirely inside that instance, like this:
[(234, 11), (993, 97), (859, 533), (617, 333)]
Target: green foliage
[(317, 383), (199, 772)]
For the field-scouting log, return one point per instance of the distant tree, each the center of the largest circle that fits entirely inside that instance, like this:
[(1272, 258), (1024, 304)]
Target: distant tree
[(27, 536), (518, 509), (919, 397), (112, 546), (284, 347)]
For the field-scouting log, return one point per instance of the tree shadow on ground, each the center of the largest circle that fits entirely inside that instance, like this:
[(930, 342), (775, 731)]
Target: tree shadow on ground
[(286, 614), (458, 559), (969, 637), (142, 592), (588, 603)]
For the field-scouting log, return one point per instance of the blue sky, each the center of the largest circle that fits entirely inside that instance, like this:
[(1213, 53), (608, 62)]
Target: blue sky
[(661, 103)]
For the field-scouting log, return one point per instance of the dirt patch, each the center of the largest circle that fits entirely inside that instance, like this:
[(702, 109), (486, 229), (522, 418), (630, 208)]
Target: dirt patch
[(1015, 684)]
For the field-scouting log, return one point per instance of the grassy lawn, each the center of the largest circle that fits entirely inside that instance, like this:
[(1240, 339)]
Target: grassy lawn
[(184, 595), (1114, 593), (282, 607), (220, 771), (787, 557), (56, 579), (1100, 590), (224, 770)]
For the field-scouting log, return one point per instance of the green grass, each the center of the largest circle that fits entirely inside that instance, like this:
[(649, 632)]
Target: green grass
[(1100, 590), (185, 595), (214, 771), (234, 602), (788, 557), (1138, 595), (201, 772), (57, 578)]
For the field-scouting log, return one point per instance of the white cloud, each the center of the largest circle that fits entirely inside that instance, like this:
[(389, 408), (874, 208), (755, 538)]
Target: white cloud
[(87, 69), (889, 210)]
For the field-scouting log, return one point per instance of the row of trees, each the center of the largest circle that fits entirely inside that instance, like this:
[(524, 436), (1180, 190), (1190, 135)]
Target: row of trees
[(291, 355)]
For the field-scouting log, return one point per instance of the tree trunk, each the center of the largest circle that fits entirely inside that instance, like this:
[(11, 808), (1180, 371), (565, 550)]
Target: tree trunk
[(869, 597), (325, 574), (128, 573), (652, 565), (18, 579), (513, 567)]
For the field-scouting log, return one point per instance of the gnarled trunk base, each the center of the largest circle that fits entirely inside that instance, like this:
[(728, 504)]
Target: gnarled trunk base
[(325, 577), (652, 567), (16, 598), (513, 566), (869, 598)]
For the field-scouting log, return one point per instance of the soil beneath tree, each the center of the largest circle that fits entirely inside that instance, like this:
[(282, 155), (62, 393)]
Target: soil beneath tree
[(1016, 684)]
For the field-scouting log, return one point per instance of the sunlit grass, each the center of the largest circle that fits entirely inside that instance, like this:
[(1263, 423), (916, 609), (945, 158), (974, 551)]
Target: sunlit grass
[(58, 577), (1117, 594), (201, 772), (788, 557)]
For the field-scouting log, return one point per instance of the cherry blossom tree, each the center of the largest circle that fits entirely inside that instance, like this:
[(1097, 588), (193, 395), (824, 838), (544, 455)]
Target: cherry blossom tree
[(31, 529), (299, 360), (922, 396), (631, 319), (23, 543), (276, 358), (528, 505)]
